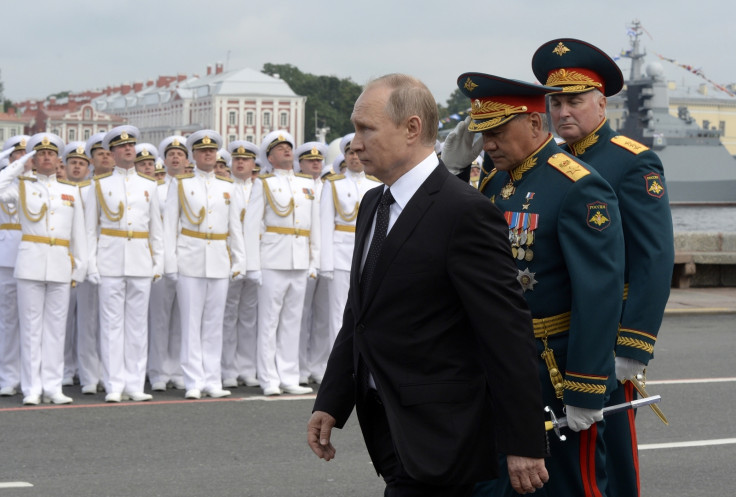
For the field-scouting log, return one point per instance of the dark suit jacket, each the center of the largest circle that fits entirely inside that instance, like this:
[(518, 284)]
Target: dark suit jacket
[(446, 333)]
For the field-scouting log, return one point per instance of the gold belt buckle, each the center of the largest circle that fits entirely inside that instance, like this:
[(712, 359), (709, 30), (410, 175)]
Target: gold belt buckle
[(208, 236), (130, 234), (52, 241)]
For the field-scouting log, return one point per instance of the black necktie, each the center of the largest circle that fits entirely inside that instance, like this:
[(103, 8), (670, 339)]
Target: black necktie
[(379, 235)]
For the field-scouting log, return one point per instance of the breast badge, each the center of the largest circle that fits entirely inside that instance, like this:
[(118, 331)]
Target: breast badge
[(598, 217), (527, 280)]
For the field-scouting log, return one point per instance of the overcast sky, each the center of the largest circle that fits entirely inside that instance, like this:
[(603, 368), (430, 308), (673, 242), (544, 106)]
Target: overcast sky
[(51, 46)]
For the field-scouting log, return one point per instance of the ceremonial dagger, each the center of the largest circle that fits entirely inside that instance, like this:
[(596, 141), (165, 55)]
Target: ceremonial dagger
[(557, 423)]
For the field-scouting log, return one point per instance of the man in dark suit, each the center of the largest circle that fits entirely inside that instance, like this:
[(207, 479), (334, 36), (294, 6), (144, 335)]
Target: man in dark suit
[(437, 356)]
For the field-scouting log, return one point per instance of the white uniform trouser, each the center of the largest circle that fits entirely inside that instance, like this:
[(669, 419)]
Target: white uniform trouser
[(314, 335), (338, 296), (42, 308), (124, 332), (164, 333), (240, 330), (70, 338), (280, 305), (9, 330), (202, 307), (88, 334)]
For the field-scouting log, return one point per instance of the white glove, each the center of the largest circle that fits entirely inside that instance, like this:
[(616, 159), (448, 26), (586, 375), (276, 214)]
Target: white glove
[(94, 278), (254, 276), (312, 273), (328, 275), (156, 278), (173, 277), (237, 277), (628, 368), (25, 158), (580, 418), (461, 147)]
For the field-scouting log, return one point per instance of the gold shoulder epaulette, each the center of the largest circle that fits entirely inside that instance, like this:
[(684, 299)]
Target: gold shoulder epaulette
[(373, 178), (184, 176), (487, 179), (28, 178), (627, 143), (147, 177), (334, 177), (568, 166), (267, 175), (103, 175), (224, 178), (304, 175)]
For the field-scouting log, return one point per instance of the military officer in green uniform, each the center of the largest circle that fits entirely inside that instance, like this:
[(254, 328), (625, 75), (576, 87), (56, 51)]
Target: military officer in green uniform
[(587, 76), (565, 234)]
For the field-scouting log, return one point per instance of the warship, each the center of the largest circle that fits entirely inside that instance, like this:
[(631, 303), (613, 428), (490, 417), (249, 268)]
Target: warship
[(698, 168)]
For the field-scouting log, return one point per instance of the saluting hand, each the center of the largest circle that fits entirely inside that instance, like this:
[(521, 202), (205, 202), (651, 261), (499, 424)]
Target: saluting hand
[(319, 430)]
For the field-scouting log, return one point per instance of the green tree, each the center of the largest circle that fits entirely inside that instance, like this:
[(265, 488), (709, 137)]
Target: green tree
[(331, 98)]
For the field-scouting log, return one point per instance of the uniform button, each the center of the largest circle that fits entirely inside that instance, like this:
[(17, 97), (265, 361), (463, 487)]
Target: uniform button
[(129, 224), (209, 211), (52, 213), (52, 228), (210, 227), (296, 222)]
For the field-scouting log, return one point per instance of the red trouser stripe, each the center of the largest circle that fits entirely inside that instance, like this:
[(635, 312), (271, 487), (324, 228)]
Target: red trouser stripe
[(629, 392), (587, 461)]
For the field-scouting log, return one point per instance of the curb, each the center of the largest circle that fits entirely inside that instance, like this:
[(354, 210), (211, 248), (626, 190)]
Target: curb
[(700, 310)]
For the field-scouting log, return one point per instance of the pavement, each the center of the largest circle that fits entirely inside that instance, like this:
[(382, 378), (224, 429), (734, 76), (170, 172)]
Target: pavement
[(707, 300)]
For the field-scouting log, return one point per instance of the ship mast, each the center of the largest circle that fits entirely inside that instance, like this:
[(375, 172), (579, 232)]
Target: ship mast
[(636, 56)]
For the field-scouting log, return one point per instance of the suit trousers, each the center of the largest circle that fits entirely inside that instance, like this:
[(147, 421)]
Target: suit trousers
[(9, 330), (314, 349), (240, 330), (70, 338), (398, 481), (164, 333), (42, 309), (202, 308), (280, 305), (124, 332), (88, 334)]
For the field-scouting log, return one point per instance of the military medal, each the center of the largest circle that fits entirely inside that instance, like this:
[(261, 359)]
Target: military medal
[(529, 255), (520, 253), (526, 278), (523, 238), (514, 252), (508, 190)]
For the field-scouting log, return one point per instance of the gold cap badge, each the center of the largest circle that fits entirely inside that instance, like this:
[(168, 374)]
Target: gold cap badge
[(560, 49), (206, 140), (124, 135)]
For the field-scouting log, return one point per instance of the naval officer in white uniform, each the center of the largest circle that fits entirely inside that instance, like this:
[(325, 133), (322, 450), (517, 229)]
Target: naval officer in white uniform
[(52, 254), (125, 235), (282, 259), (201, 221)]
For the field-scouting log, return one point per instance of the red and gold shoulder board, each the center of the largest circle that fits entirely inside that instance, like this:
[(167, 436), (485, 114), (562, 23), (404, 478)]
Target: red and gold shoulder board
[(568, 166), (487, 179), (627, 143)]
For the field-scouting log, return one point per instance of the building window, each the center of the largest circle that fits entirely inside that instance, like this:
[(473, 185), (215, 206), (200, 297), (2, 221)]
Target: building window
[(706, 124), (284, 120), (2, 133), (13, 132), (249, 118), (101, 130), (266, 119), (249, 138), (231, 138), (72, 134), (722, 127), (87, 114), (86, 134), (232, 118), (55, 131)]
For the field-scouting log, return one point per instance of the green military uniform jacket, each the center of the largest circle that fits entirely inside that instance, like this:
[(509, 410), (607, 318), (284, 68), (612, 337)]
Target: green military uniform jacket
[(566, 236), (636, 175)]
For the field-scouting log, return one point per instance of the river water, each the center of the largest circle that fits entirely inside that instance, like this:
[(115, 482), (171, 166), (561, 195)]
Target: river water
[(715, 218)]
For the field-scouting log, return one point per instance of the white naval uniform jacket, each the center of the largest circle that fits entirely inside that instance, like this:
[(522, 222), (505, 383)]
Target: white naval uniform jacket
[(62, 220), (341, 196), (280, 247), (9, 233), (127, 241), (211, 206)]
